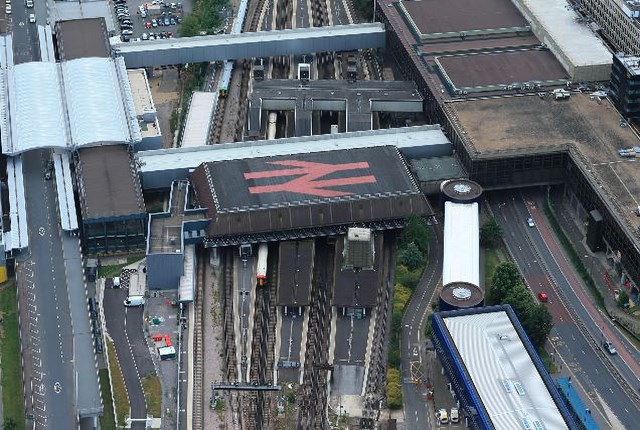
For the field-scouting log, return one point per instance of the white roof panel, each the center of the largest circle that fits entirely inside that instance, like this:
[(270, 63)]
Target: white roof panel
[(188, 158), (36, 107), (64, 188), (201, 110), (94, 102), (19, 237), (506, 379), (575, 39), (461, 260), (186, 290)]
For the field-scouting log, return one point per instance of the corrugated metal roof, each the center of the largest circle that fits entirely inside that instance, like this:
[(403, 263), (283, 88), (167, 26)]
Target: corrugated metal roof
[(511, 388), (36, 107), (186, 290), (461, 260), (94, 101), (201, 109)]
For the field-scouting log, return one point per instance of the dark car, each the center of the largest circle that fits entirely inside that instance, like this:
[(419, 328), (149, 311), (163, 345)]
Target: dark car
[(93, 310)]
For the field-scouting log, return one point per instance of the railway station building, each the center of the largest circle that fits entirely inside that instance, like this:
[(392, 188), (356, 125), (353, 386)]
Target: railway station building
[(495, 372)]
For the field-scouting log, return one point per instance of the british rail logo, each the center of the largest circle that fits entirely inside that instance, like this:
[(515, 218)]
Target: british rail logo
[(309, 178)]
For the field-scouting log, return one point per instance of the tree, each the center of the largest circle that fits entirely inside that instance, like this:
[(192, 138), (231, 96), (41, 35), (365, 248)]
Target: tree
[(9, 424), (416, 231), (623, 299), (490, 233), (406, 277), (520, 299), (538, 324), (411, 256), (505, 277), (401, 297)]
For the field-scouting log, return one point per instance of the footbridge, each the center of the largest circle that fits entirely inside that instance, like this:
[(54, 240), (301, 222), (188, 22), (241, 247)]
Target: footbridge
[(154, 53)]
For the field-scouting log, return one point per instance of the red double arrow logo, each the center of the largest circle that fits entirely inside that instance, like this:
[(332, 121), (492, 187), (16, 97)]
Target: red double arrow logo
[(310, 181)]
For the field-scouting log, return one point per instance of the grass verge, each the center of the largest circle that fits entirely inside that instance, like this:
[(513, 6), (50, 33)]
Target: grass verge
[(113, 270), (153, 395), (546, 360), (491, 261), (12, 393), (119, 390), (107, 420), (574, 257)]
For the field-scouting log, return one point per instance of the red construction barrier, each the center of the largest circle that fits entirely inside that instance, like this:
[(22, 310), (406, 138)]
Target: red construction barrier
[(167, 340)]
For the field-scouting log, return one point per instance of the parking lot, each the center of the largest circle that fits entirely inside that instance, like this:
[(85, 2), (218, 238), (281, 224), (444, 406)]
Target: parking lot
[(148, 20)]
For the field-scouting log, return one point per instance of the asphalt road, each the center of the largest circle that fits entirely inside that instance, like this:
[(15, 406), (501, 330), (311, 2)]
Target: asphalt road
[(26, 47), (578, 353), (118, 322), (412, 341), (54, 394)]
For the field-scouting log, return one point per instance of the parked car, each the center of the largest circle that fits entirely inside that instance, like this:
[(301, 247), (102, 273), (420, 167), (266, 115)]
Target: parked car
[(167, 22), (608, 346), (173, 21), (7, 9), (29, 3), (145, 36), (442, 416), (455, 415), (154, 22), (127, 32), (147, 24)]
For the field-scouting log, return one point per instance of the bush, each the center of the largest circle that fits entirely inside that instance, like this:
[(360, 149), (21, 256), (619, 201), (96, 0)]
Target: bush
[(406, 277), (401, 297), (394, 389)]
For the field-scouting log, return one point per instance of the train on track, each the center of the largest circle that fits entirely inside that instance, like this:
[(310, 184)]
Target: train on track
[(261, 276), (271, 126)]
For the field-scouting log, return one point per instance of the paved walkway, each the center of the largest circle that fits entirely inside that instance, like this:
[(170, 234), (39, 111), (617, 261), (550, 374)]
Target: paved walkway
[(598, 266)]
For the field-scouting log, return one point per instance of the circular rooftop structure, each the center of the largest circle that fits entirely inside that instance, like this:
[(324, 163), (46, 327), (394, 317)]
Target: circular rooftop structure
[(460, 295), (461, 190)]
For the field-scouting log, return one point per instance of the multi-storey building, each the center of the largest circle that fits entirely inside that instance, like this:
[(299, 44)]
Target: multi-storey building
[(625, 85), (619, 20)]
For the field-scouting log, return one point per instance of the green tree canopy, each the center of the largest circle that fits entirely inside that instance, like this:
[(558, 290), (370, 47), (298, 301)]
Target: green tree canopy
[(490, 233), (411, 256), (394, 389), (505, 278), (416, 231)]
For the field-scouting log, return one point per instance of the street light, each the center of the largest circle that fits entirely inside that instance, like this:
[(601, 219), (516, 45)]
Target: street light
[(588, 257)]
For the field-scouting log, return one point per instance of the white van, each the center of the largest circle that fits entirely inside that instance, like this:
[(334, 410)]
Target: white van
[(116, 282), (134, 301)]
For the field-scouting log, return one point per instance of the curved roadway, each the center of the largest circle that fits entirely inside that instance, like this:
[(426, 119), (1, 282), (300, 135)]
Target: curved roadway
[(576, 336), (412, 339)]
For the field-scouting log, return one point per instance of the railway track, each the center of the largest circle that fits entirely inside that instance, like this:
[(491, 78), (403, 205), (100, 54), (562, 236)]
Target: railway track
[(314, 402), (198, 353)]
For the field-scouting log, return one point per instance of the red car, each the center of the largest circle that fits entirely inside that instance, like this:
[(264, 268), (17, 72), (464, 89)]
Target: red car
[(542, 296), (147, 24)]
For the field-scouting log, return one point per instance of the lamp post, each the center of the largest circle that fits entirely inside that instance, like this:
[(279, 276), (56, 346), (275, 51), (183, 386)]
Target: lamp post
[(590, 265)]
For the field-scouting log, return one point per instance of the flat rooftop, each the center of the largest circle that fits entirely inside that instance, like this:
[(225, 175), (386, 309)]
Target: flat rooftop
[(357, 289), (502, 68), (108, 182), (143, 102), (79, 38), (531, 123), (468, 45), (503, 373), (304, 179), (295, 268), (434, 16)]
